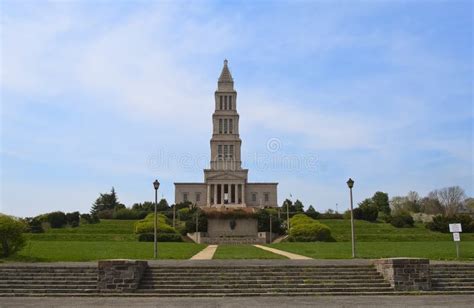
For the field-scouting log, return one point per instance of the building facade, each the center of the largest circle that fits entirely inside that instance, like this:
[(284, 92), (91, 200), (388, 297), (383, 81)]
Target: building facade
[(225, 182)]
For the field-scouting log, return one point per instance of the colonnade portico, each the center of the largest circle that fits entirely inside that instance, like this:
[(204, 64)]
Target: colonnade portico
[(225, 193)]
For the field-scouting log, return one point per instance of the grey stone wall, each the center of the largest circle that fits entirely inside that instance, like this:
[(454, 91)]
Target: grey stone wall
[(405, 274), (120, 275), (222, 227)]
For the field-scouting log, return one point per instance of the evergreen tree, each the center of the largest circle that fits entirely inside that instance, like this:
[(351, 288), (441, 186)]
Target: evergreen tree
[(298, 207), (311, 212), (106, 202)]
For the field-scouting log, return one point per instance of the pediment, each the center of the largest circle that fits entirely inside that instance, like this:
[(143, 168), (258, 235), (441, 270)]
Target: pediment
[(226, 176)]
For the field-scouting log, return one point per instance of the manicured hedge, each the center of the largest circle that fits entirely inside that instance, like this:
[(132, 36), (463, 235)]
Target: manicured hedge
[(306, 229), (147, 225)]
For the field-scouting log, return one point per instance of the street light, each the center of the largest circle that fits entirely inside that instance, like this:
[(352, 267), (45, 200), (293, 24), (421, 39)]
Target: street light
[(350, 184), (156, 185)]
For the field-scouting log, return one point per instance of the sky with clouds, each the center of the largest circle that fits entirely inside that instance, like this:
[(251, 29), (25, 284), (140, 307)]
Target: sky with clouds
[(96, 94)]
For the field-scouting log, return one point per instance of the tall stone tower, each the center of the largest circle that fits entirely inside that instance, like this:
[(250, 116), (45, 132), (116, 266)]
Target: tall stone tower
[(225, 182)]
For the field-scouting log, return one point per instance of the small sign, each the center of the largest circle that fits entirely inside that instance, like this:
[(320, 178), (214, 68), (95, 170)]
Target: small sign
[(455, 228), (456, 237)]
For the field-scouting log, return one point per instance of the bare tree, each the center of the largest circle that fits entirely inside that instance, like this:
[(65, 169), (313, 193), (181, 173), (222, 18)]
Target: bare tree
[(451, 198), (413, 196)]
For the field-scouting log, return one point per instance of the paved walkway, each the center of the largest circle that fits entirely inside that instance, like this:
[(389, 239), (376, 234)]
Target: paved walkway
[(205, 254), (289, 255), (417, 301)]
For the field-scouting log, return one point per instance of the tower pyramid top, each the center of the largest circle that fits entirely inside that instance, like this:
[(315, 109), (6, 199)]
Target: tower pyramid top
[(225, 82)]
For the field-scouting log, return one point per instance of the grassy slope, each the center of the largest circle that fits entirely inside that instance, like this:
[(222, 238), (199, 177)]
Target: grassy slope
[(379, 232), (243, 252), (109, 239), (342, 250)]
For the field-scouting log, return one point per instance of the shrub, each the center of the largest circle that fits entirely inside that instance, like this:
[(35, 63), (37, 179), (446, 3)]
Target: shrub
[(300, 219), (331, 215), (105, 214), (73, 219), (160, 237), (441, 223), (190, 224), (402, 220), (147, 225), (263, 217), (34, 225), (129, 214), (306, 229), (310, 232), (385, 217), (56, 219), (367, 210), (90, 219), (11, 235)]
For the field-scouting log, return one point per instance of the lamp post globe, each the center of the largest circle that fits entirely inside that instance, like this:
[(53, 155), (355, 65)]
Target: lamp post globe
[(350, 183)]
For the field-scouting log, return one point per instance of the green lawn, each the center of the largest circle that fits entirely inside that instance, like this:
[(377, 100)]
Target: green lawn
[(106, 230), (87, 251), (243, 252), (379, 232), (342, 250), (109, 239)]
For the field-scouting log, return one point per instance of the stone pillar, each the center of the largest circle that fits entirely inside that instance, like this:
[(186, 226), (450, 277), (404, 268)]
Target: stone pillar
[(222, 193), (405, 274), (243, 193), (120, 275), (215, 193), (208, 195)]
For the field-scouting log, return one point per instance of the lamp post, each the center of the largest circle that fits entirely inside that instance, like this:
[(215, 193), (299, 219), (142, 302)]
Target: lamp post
[(156, 185), (350, 184)]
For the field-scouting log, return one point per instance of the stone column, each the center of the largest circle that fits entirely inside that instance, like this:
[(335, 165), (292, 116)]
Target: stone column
[(243, 193), (208, 196), (215, 194)]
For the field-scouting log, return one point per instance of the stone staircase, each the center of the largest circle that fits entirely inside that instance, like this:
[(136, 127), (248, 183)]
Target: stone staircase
[(47, 280), (457, 278), (263, 280)]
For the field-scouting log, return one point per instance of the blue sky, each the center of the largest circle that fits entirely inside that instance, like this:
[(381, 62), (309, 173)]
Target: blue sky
[(96, 94)]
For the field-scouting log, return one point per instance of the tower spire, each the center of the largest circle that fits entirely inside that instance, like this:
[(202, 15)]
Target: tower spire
[(225, 82)]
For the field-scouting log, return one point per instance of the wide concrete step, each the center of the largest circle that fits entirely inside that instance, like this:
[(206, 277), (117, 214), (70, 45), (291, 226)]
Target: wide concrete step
[(250, 274), (455, 279), (46, 269), (263, 290), (46, 291), (49, 286), (230, 294), (265, 285), (165, 280), (48, 282), (262, 270)]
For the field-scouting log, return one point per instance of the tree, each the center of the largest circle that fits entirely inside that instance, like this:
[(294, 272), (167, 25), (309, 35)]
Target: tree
[(57, 219), (367, 210), (469, 204), (73, 219), (380, 199), (450, 198), (298, 206), (11, 235), (106, 202), (163, 205), (311, 212), (431, 206)]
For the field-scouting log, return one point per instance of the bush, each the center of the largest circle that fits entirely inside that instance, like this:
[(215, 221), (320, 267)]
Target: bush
[(441, 223), (57, 219), (331, 215), (367, 210), (34, 225), (147, 225), (129, 214), (402, 220), (190, 224), (311, 232), (263, 217), (160, 237), (73, 219), (306, 229), (90, 219), (11, 235), (385, 217), (105, 214)]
